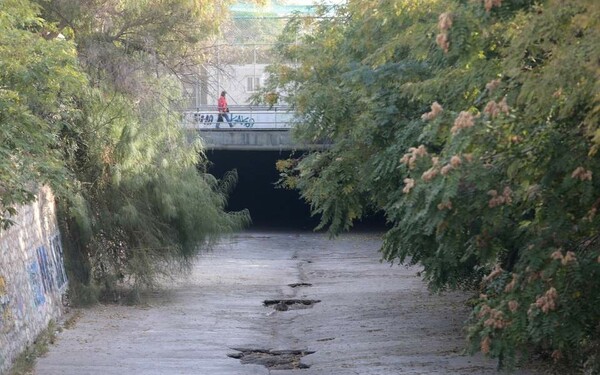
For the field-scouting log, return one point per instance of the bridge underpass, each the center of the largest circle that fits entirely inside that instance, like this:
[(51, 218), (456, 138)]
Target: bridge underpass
[(258, 138), (270, 207)]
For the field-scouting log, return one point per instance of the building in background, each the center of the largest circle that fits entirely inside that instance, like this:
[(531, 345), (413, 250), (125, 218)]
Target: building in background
[(236, 62)]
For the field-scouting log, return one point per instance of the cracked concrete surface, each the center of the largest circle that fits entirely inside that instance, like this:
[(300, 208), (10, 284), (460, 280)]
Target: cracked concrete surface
[(373, 318)]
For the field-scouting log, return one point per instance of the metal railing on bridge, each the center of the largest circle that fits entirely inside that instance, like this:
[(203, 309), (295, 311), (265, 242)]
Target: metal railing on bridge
[(242, 117)]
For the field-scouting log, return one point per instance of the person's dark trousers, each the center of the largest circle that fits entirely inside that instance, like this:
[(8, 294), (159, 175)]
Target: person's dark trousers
[(227, 118)]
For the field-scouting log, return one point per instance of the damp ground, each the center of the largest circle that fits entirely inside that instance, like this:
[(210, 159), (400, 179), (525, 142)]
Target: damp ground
[(278, 303)]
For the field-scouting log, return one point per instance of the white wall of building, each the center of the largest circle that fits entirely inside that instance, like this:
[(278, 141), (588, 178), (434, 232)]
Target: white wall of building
[(239, 81)]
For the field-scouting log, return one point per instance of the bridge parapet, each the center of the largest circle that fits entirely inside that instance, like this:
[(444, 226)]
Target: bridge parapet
[(252, 128), (242, 117)]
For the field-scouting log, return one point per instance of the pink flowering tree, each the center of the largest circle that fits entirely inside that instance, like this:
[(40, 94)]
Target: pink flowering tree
[(474, 128)]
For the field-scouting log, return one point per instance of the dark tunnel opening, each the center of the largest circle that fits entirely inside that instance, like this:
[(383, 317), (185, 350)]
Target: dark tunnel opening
[(270, 207)]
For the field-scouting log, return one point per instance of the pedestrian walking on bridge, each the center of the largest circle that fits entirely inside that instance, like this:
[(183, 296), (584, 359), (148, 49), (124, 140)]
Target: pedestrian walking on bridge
[(223, 110)]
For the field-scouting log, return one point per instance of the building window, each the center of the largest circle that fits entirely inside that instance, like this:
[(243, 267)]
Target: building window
[(252, 84)]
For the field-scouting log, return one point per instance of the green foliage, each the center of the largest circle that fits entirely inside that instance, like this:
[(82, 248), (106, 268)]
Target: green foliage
[(494, 186), (25, 362), (39, 80), (88, 99), (140, 207), (145, 206)]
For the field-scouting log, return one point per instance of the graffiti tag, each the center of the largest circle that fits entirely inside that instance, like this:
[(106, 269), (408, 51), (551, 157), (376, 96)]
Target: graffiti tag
[(36, 284), (207, 119), (203, 119), (58, 261), (246, 121), (45, 269)]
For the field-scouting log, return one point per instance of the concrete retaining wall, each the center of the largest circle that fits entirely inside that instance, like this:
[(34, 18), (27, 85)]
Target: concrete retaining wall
[(32, 277)]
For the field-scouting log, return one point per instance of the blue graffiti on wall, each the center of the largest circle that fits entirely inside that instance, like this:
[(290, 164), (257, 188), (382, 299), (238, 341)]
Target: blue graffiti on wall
[(45, 269), (36, 283), (57, 259), (246, 121)]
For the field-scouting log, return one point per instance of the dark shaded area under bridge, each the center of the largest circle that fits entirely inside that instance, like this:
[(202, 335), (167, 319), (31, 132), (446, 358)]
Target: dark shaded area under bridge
[(269, 206)]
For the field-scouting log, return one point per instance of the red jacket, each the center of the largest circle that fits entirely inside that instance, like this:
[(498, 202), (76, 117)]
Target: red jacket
[(222, 104)]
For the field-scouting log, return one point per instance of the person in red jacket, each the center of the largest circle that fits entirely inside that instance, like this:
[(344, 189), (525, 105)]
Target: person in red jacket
[(223, 110)]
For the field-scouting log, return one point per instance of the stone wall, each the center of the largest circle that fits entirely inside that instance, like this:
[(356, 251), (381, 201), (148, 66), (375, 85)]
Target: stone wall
[(32, 277)]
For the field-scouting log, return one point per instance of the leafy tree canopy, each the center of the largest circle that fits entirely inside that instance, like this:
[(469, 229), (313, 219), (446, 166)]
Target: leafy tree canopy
[(474, 127), (89, 93), (39, 81)]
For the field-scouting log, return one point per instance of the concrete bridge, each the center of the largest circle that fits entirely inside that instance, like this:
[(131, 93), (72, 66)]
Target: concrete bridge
[(259, 128)]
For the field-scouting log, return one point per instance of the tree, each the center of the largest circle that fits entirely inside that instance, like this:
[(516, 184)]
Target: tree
[(473, 126), (143, 205), (39, 82), (89, 97)]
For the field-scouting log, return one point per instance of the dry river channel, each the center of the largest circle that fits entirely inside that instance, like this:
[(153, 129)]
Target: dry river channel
[(277, 303)]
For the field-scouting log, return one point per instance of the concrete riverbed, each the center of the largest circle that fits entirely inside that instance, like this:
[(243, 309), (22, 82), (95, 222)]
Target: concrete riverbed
[(278, 303)]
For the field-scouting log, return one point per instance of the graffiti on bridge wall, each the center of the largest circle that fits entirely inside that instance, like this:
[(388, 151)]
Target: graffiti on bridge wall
[(203, 119), (6, 317), (207, 119), (246, 121)]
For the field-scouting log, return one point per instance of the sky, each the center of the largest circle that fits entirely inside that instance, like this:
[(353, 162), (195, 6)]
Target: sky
[(282, 7), (311, 2)]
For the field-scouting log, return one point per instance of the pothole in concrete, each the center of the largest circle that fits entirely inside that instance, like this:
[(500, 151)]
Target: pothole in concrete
[(272, 359), (298, 285), (290, 304), (326, 339)]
